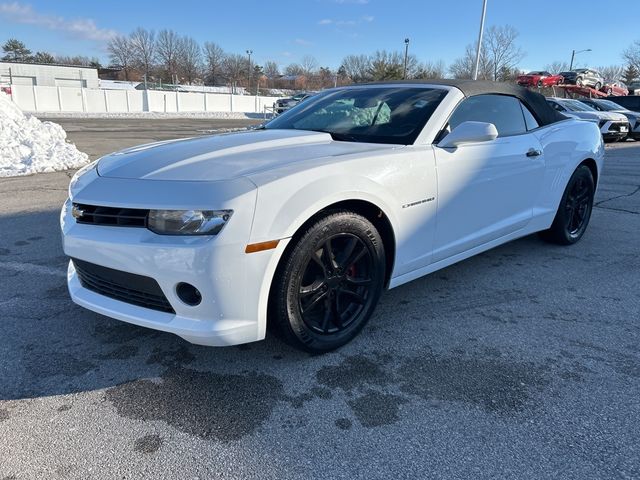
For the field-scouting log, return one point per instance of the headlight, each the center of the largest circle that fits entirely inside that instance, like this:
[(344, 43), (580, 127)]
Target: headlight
[(188, 222)]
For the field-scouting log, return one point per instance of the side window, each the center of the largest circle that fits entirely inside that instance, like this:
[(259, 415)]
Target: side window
[(529, 119), (501, 110), (557, 106)]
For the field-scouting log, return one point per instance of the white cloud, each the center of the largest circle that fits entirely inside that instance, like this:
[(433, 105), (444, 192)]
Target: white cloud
[(303, 42), (346, 23), (84, 28)]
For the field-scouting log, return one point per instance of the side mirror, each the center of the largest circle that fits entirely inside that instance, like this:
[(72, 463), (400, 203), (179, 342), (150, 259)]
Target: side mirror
[(469, 132)]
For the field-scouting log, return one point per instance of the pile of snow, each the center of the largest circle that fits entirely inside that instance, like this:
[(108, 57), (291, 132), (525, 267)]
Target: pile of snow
[(28, 145)]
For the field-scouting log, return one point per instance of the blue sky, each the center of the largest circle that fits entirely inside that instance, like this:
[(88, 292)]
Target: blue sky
[(285, 31)]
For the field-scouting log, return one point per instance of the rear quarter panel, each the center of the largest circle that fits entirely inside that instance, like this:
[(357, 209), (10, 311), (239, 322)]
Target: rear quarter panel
[(566, 145)]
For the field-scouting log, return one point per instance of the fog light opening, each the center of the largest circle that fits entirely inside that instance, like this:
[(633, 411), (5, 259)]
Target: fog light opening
[(188, 294)]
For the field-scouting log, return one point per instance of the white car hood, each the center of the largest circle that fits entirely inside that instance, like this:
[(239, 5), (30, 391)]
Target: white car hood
[(609, 116), (223, 157)]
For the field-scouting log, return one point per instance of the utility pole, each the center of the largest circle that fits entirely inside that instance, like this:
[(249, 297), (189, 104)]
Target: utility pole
[(477, 64), (249, 52), (406, 56), (574, 53)]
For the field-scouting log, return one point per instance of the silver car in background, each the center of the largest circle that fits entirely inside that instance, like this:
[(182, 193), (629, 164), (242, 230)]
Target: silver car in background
[(604, 105), (613, 126), (583, 77)]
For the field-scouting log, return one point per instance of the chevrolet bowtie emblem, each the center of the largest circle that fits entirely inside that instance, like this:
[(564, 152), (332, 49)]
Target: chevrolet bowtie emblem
[(77, 212)]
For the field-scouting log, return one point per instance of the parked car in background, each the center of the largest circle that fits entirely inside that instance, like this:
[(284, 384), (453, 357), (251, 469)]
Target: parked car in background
[(630, 102), (634, 87), (583, 77), (613, 126), (604, 105), (284, 104), (616, 88), (306, 221), (539, 78)]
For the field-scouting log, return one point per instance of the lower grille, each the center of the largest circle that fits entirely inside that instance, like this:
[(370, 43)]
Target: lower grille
[(615, 127), (126, 287), (114, 216)]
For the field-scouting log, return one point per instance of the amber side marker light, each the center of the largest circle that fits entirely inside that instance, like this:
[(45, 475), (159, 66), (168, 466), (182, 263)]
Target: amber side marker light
[(259, 247)]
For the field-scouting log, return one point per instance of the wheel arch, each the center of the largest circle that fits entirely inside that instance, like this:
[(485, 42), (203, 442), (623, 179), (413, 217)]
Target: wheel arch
[(593, 166), (371, 212)]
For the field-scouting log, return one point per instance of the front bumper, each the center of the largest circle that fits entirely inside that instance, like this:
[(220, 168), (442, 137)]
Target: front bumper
[(614, 130), (234, 285)]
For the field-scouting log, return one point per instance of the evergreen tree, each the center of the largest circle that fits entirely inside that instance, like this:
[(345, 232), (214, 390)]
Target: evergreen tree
[(16, 51)]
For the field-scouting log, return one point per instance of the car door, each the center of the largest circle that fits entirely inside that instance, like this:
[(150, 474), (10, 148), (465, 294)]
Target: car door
[(487, 190)]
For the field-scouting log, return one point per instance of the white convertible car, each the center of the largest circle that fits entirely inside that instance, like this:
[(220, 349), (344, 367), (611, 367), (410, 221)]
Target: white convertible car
[(304, 222)]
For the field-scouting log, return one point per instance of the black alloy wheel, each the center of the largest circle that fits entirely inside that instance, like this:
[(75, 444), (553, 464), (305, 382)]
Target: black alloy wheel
[(328, 283), (574, 212), (578, 206), (335, 285)]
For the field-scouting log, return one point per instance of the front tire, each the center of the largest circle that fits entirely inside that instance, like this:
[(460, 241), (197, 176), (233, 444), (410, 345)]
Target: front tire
[(328, 283), (575, 208)]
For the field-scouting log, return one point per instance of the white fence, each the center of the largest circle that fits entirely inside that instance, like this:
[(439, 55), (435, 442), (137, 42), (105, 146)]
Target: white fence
[(72, 99)]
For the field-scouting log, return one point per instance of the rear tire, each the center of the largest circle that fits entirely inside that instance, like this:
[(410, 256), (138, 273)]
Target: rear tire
[(574, 211), (328, 283)]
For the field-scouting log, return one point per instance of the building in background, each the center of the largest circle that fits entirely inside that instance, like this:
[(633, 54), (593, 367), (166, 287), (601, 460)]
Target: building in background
[(42, 75)]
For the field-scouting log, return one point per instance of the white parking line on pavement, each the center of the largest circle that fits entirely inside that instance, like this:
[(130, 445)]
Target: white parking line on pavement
[(33, 268)]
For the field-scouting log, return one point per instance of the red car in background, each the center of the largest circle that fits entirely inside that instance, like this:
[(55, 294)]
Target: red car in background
[(616, 89), (539, 79)]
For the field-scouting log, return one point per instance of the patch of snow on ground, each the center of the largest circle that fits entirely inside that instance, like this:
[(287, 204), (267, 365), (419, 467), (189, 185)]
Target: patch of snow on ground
[(28, 145)]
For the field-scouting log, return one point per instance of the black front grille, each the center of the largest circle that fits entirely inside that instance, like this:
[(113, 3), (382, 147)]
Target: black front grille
[(126, 287), (615, 127), (110, 216)]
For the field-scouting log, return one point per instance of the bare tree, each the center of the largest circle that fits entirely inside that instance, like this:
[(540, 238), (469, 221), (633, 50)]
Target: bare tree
[(121, 53), (557, 67), (309, 65), (632, 55), (214, 56), (144, 49), (168, 50), (294, 69), (356, 67), (612, 73), (271, 71), (462, 67), (235, 68), (502, 52), (190, 59), (431, 70)]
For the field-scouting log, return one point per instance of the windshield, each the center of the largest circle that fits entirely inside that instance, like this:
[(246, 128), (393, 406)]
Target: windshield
[(387, 114), (608, 105), (576, 106)]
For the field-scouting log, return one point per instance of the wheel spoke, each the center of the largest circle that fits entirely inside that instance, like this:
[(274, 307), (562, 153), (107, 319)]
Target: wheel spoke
[(354, 257), (314, 301), (336, 318), (313, 288), (328, 256), (357, 282), (354, 296)]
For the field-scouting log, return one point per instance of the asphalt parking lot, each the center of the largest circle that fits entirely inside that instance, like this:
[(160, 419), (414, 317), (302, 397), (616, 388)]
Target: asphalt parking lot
[(522, 362)]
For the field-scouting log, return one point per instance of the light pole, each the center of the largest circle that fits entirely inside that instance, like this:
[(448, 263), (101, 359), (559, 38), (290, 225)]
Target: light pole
[(249, 52), (477, 64), (406, 56), (574, 53)]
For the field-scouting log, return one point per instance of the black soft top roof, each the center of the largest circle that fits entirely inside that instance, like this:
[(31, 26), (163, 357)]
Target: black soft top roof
[(536, 102)]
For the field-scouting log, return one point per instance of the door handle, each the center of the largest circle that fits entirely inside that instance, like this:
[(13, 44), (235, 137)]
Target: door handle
[(534, 152)]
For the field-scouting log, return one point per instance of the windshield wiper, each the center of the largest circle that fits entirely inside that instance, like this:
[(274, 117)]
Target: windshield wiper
[(340, 137)]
